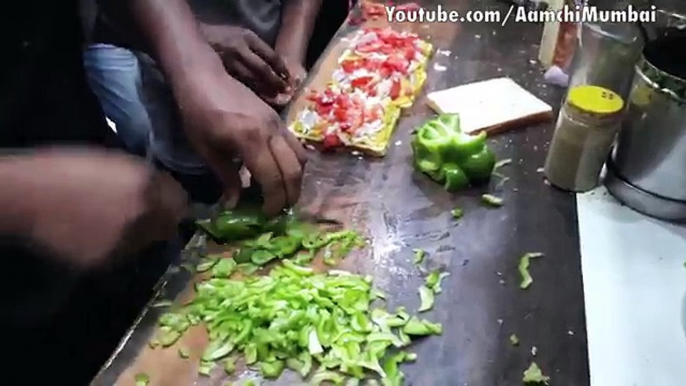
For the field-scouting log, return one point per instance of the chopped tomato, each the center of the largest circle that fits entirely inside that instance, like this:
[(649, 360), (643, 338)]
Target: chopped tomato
[(375, 113), (398, 64), (341, 114), (351, 65), (331, 141), (361, 81), (323, 110), (410, 53), (369, 47), (357, 120), (395, 89), (373, 9)]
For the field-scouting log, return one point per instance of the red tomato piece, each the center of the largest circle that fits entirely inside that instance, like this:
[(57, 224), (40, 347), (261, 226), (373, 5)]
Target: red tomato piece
[(369, 47), (395, 89), (341, 114), (350, 65), (323, 110), (361, 81), (331, 140), (345, 126)]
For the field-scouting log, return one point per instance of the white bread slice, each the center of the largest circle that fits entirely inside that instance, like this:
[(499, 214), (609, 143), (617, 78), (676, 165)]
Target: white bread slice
[(493, 105)]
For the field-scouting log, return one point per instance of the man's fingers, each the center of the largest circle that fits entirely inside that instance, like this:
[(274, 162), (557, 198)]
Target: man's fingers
[(267, 54), (245, 76), (265, 171), (296, 146), (265, 73), (227, 171), (290, 167)]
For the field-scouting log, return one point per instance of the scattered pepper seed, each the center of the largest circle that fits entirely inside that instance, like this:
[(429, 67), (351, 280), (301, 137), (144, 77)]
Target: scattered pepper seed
[(534, 350), (514, 340)]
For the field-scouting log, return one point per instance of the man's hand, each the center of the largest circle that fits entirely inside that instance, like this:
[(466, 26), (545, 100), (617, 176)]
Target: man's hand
[(296, 72), (87, 206), (250, 60), (222, 118), (225, 120)]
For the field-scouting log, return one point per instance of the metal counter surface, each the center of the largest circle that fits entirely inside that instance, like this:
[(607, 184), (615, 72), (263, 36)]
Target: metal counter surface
[(399, 209)]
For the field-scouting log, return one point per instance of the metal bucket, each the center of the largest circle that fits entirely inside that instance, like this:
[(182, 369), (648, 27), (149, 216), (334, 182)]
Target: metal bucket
[(647, 170)]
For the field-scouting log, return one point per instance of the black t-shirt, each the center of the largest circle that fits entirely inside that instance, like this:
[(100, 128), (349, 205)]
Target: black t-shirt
[(44, 100)]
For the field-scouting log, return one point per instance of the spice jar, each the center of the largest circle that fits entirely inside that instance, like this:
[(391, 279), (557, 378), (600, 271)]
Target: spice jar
[(585, 131)]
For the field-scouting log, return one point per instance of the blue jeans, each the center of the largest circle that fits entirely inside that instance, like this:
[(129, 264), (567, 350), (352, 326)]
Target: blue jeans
[(135, 96), (114, 75)]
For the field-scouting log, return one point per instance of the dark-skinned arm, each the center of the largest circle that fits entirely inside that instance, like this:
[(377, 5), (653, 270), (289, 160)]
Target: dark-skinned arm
[(14, 218), (297, 24), (222, 118), (168, 31)]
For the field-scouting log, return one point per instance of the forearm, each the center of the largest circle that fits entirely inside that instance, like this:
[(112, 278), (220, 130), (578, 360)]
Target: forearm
[(168, 31), (15, 193), (297, 24)]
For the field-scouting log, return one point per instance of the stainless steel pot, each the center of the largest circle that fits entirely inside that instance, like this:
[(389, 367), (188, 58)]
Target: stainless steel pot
[(647, 169)]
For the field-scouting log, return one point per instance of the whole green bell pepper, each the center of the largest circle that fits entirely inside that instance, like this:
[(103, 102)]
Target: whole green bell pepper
[(449, 156)]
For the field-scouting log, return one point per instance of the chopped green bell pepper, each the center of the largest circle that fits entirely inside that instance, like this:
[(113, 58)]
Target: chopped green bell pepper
[(449, 156), (237, 224)]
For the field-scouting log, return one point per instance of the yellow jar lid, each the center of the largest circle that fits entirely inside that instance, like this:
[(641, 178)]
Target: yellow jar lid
[(595, 100)]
